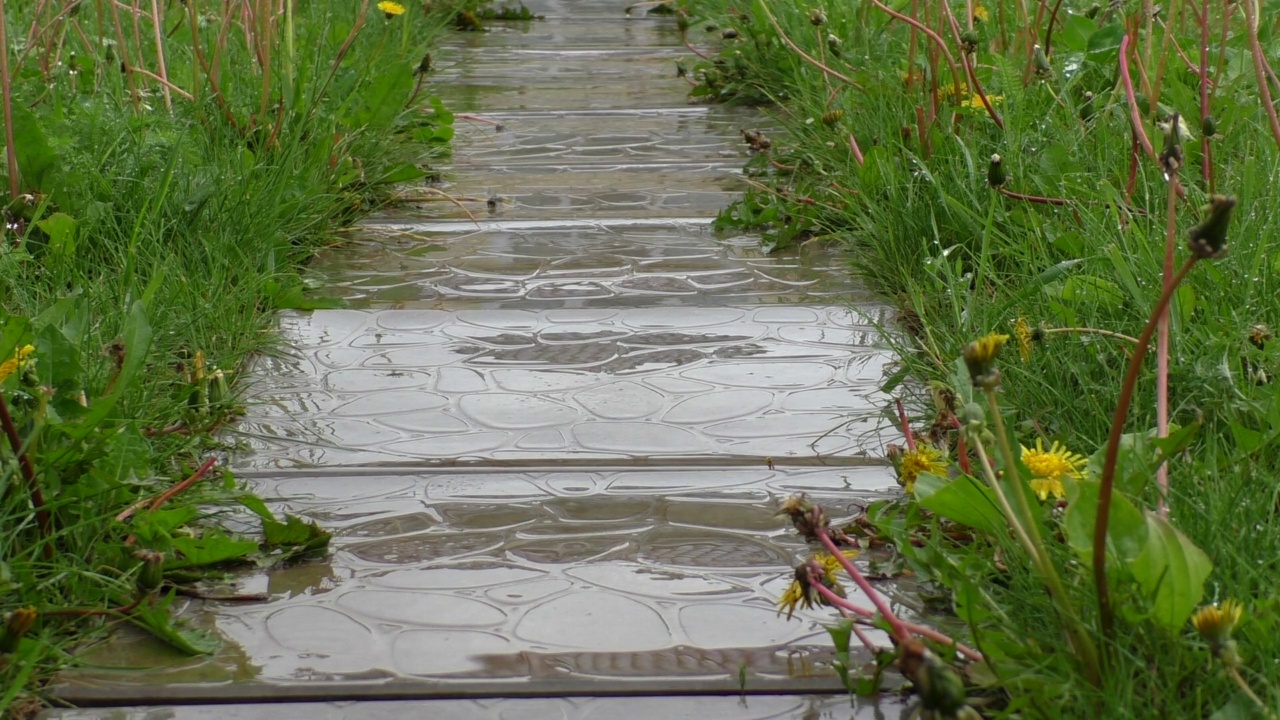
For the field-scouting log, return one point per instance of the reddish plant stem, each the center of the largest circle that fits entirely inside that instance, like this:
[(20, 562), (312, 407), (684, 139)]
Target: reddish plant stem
[(1113, 448), (689, 46), (899, 630), (951, 62), (43, 520), (1033, 198), (925, 632), (857, 151), (1162, 343), (1048, 32), (1134, 116), (805, 56), (165, 496), (1260, 68), (968, 68), (10, 148), (906, 425), (93, 612), (1206, 150)]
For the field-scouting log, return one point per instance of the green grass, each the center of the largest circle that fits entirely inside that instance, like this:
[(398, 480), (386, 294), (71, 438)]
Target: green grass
[(959, 261), (151, 237)]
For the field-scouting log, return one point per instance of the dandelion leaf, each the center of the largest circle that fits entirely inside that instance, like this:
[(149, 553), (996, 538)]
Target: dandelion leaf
[(1171, 571)]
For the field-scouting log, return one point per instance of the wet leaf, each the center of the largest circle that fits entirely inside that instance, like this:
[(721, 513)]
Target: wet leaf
[(1172, 571), (155, 619), (963, 500), (37, 163), (61, 229), (1126, 528), (211, 549)]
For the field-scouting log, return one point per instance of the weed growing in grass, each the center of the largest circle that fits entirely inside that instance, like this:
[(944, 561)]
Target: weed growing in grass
[(994, 169), (169, 167)]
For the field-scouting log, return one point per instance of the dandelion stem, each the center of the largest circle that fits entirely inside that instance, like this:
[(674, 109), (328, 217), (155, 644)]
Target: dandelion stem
[(1139, 132), (43, 520), (925, 632), (899, 630), (10, 149), (1244, 686), (1162, 340), (906, 426), (1113, 449), (1029, 535), (1092, 331), (805, 56)]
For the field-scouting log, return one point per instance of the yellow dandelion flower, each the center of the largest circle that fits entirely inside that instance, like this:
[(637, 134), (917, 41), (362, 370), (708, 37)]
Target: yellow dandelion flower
[(801, 593), (974, 101), (1215, 623), (1023, 331), (924, 459), (390, 9), (981, 14), (1048, 467), (17, 362), (980, 358)]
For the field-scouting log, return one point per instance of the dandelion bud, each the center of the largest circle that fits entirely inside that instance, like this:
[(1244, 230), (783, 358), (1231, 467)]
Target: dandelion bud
[(1086, 108), (817, 17), (1044, 70), (833, 44), (151, 571), (995, 172), (940, 687), (1171, 156), (832, 117), (1208, 127), (1209, 238), (969, 41), (424, 65), (682, 21), (729, 34)]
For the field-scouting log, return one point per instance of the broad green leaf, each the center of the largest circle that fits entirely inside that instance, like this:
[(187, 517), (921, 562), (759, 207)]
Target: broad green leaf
[(1171, 571), (61, 229), (295, 532), (1126, 528), (257, 506), (1105, 41), (37, 163), (383, 99), (407, 172), (155, 619), (963, 500), (211, 549)]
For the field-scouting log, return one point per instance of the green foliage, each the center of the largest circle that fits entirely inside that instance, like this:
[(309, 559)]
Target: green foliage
[(155, 231), (1072, 244)]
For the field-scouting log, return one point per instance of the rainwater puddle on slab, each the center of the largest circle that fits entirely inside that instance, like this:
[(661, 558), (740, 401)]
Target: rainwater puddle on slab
[(636, 383), (579, 577), (727, 707), (561, 264)]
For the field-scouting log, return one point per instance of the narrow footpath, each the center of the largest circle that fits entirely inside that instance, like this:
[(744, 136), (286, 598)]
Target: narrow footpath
[(550, 441)]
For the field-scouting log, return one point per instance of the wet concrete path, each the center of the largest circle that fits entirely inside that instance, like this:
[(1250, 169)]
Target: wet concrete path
[(550, 441)]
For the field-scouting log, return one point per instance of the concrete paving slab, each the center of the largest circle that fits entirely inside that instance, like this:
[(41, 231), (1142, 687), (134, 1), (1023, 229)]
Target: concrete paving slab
[(459, 583)]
